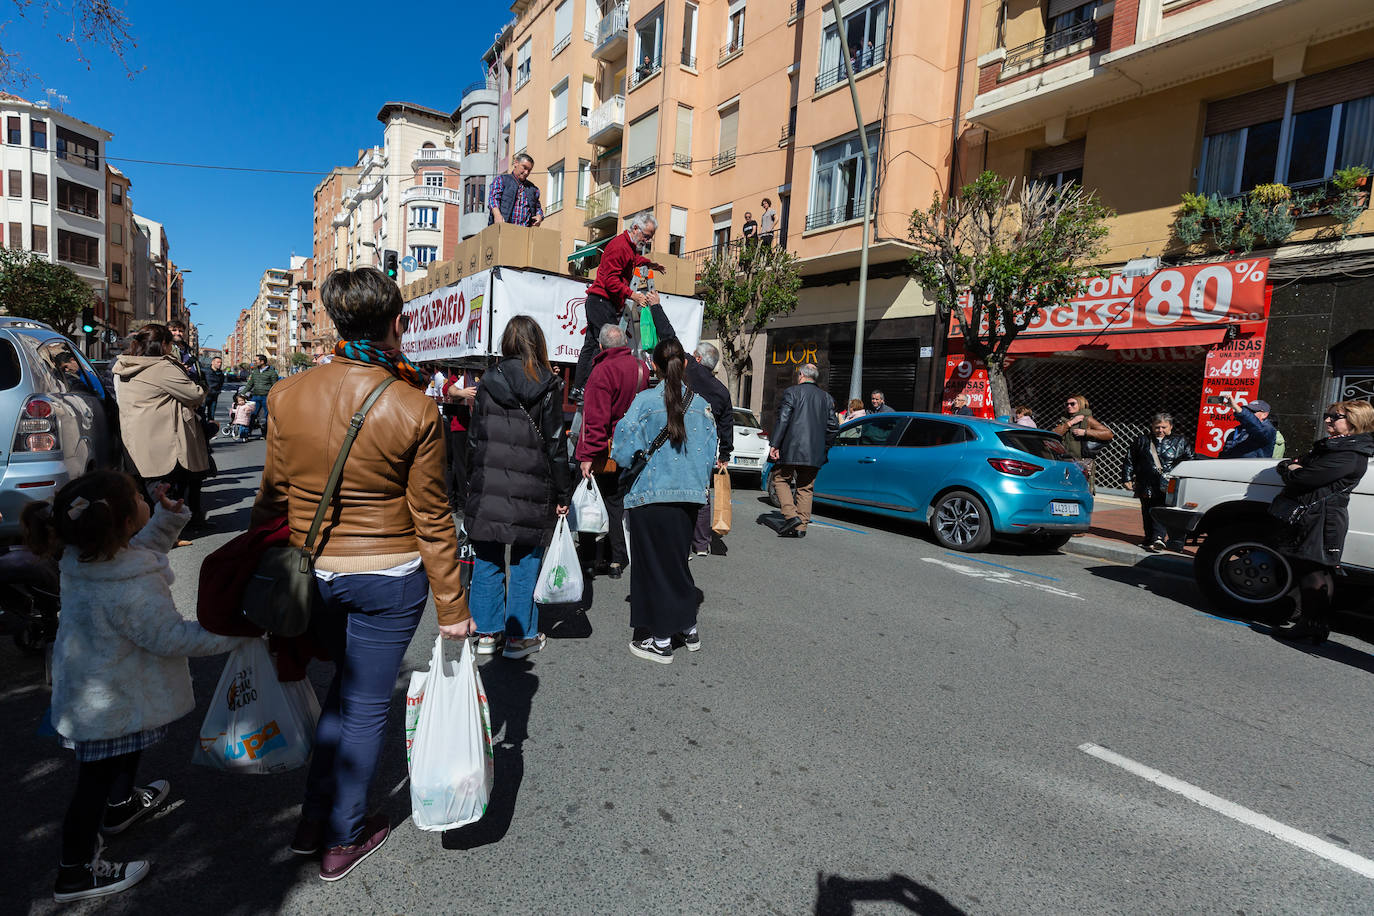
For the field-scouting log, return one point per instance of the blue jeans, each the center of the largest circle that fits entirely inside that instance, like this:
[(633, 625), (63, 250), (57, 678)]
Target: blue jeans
[(260, 413), (367, 622), (495, 611)]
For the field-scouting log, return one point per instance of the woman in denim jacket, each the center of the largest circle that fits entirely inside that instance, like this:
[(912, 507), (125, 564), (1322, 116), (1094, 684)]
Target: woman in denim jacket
[(661, 507)]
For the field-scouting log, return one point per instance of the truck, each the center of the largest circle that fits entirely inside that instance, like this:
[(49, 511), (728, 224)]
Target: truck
[(1239, 567)]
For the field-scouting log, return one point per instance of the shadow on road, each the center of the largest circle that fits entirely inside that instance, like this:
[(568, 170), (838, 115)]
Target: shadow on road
[(836, 896)]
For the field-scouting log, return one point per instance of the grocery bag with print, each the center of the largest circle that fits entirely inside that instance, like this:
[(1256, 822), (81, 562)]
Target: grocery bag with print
[(257, 724), (588, 510), (449, 748), (560, 575)]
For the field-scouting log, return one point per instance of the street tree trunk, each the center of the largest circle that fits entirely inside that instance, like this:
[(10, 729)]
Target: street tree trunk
[(997, 384)]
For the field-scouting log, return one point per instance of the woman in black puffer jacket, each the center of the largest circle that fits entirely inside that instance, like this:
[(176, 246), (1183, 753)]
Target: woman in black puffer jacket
[(1313, 506), (520, 484), (1150, 457)]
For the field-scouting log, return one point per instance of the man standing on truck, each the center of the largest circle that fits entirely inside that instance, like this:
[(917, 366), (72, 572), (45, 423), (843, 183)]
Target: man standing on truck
[(1255, 436), (607, 295), (513, 198)]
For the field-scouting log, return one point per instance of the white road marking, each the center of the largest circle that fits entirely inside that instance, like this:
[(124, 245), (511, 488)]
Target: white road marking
[(1329, 851), (1001, 576)]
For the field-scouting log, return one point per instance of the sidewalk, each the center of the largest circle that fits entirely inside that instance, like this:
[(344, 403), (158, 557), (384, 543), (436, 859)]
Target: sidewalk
[(1115, 534)]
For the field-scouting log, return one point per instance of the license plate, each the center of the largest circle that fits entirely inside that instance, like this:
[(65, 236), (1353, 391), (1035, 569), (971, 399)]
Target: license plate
[(747, 462), (1063, 508)]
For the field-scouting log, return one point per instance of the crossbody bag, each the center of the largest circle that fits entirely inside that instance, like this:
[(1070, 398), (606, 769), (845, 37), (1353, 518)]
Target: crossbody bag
[(283, 596), (640, 461)]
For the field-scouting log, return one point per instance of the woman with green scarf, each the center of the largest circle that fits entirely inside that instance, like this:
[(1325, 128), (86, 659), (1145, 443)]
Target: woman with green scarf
[(1076, 429)]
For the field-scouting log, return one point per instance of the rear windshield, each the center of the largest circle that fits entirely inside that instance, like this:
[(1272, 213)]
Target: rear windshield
[(745, 418), (1041, 445), (9, 365)]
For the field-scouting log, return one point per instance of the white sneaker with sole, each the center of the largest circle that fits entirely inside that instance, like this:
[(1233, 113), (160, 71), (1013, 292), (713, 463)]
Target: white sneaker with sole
[(646, 649), (97, 878), (519, 648)]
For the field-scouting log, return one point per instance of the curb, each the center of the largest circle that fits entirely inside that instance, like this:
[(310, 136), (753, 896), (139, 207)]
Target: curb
[(1102, 549)]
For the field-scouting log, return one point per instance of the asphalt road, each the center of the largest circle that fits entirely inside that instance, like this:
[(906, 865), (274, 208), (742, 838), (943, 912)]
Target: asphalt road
[(874, 725)]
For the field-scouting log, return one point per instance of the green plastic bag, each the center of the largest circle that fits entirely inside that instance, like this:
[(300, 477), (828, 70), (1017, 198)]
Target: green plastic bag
[(648, 331)]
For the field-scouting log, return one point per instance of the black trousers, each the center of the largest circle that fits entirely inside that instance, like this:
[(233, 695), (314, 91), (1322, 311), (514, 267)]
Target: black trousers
[(663, 596), (98, 783), (1154, 531), (456, 474), (600, 312), (611, 548)]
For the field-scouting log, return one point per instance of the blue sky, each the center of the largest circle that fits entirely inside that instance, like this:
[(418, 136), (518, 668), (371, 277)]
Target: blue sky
[(284, 85)]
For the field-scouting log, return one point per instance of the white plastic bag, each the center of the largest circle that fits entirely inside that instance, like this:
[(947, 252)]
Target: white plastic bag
[(257, 724), (448, 748), (588, 510), (560, 575)]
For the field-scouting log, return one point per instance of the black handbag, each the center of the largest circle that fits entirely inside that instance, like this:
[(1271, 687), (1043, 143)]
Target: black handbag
[(640, 461), (282, 596)]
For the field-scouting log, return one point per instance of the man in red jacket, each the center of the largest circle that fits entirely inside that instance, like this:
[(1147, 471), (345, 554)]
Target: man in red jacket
[(615, 380), (607, 295)]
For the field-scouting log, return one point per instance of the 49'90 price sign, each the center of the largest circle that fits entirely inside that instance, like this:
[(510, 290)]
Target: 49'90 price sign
[(1232, 370)]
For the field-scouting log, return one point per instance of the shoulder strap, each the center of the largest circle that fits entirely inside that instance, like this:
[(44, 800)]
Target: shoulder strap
[(336, 472), (662, 436)]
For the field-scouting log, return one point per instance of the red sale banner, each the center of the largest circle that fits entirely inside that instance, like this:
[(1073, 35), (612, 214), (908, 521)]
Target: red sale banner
[(1232, 370), (968, 377)]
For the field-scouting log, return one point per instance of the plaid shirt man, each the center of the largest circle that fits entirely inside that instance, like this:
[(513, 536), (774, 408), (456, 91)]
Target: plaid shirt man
[(527, 205)]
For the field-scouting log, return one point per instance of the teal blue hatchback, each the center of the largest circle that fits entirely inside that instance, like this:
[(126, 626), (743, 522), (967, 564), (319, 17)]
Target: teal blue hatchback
[(966, 478)]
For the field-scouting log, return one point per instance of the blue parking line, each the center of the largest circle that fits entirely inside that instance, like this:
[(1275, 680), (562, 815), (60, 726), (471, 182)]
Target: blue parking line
[(1242, 623), (841, 527), (964, 556)]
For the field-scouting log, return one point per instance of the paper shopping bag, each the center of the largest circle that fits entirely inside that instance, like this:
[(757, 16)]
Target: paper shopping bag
[(720, 505)]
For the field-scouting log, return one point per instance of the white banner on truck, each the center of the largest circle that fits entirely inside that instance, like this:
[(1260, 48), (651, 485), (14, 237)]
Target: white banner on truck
[(451, 322)]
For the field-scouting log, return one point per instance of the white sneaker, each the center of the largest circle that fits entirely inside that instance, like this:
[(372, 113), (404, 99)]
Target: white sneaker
[(519, 648), (490, 643), (97, 878)]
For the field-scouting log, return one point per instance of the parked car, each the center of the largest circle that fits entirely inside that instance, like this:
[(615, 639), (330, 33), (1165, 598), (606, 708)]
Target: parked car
[(54, 417), (751, 444), (967, 478), (1238, 565)]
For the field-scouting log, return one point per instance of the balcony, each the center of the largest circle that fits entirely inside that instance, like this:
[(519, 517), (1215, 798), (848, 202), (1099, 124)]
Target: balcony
[(479, 86), (639, 170), (432, 157), (731, 51), (689, 60), (370, 188), (789, 131), (842, 214), (603, 205), (607, 122), (862, 60), (340, 218), (1036, 53), (562, 43), (612, 34), (375, 158), (421, 192), (723, 160), (557, 127), (682, 161), (645, 70), (553, 206), (796, 11)]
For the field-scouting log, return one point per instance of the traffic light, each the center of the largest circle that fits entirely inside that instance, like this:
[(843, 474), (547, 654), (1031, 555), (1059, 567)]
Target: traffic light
[(391, 263), (88, 321)]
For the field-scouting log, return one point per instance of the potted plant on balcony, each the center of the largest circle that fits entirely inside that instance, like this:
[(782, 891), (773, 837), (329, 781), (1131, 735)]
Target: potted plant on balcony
[(1351, 178)]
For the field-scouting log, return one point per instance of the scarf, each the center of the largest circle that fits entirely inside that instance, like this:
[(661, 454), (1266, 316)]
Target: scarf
[(394, 361)]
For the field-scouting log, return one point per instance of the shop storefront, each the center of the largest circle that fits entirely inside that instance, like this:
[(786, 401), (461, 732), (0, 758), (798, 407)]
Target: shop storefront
[(1173, 341)]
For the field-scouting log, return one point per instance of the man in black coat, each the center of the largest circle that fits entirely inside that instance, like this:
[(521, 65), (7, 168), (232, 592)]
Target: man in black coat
[(802, 437), (214, 385), (701, 378)]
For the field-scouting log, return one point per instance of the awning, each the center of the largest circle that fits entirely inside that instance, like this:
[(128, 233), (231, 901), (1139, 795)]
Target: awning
[(1134, 340), (589, 250)]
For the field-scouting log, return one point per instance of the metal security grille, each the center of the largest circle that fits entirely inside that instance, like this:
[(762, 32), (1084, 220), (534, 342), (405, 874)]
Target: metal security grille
[(1124, 396)]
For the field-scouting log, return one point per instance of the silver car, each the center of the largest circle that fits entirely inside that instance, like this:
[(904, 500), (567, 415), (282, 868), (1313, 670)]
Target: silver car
[(55, 417)]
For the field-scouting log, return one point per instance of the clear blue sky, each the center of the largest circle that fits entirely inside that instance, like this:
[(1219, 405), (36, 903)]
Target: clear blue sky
[(285, 85)]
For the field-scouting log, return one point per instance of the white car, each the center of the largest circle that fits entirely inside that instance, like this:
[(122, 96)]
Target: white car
[(1238, 564), (751, 443)]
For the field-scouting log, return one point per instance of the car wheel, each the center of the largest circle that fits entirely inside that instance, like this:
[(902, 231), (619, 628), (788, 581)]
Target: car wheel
[(960, 521), (1048, 542), (1241, 570)]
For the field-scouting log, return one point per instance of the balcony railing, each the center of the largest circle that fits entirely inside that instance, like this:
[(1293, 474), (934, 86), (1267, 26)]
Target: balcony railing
[(562, 43), (785, 138), (682, 161), (437, 156), (862, 59), (723, 159), (611, 31), (730, 51), (1033, 52), (557, 126), (841, 214), (370, 189), (602, 203), (689, 61), (645, 69), (473, 148), (429, 192), (639, 170), (522, 74), (479, 86), (797, 8), (340, 218), (607, 120), (553, 207)]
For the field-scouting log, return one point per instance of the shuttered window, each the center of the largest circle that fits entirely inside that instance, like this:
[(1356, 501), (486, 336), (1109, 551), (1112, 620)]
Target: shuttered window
[(642, 144), (729, 129), (682, 145), (1339, 85), (1056, 159), (1243, 110)]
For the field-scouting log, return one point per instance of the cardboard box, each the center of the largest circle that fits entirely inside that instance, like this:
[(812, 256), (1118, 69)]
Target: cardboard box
[(678, 276), (546, 251)]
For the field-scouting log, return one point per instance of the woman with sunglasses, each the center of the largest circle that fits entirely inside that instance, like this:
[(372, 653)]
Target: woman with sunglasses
[(1313, 505)]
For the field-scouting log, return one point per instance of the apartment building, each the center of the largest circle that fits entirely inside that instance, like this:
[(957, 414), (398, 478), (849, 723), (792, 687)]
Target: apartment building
[(1144, 100), (299, 305), (330, 250), (236, 346), (697, 111), (118, 307), (159, 284), (268, 330), (478, 121)]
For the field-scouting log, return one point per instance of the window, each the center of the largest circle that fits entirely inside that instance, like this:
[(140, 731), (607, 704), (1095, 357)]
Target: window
[(77, 148), (424, 254), (1062, 15), (689, 36), (875, 431), (78, 199), (677, 230), (648, 58), (117, 273), (1058, 165), (521, 134), (866, 32), (837, 182), (562, 26), (434, 179), (591, 19), (720, 234), (922, 433), (474, 194), (734, 37), (15, 134), (1298, 133), (728, 137), (77, 248), (554, 198), (558, 107), (641, 147), (40, 186), (476, 136), (16, 238), (38, 133), (584, 181), (522, 63), (682, 145), (116, 233), (116, 193), (424, 218), (16, 183), (40, 240), (588, 99)]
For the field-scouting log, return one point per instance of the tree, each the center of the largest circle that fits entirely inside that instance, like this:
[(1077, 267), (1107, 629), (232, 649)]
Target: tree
[(32, 287), (93, 23), (1013, 251), (301, 360), (744, 287)]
